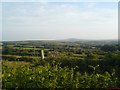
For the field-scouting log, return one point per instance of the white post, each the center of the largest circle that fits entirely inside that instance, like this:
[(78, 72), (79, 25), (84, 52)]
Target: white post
[(42, 54)]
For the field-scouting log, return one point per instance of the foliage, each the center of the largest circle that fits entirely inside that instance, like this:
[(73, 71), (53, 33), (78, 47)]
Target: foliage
[(48, 76), (66, 65)]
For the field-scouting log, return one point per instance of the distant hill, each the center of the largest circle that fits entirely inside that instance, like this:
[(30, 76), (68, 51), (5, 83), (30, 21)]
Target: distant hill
[(73, 40), (76, 39), (66, 41)]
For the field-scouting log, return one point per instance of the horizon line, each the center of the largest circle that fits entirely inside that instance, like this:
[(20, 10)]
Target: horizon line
[(59, 39)]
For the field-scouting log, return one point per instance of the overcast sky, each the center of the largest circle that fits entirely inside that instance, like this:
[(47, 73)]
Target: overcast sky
[(59, 20)]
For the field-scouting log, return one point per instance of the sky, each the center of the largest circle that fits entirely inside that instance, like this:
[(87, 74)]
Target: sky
[(1, 22), (59, 20), (59, 0)]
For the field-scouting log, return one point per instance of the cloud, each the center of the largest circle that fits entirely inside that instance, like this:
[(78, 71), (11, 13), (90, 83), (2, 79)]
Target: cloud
[(59, 0), (0, 22), (59, 20)]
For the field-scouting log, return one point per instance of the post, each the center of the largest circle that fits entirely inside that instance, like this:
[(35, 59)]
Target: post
[(42, 54)]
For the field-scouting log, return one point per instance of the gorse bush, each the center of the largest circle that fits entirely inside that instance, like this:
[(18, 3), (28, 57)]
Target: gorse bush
[(49, 76)]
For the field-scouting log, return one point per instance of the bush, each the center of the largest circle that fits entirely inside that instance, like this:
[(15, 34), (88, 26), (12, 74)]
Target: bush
[(54, 77)]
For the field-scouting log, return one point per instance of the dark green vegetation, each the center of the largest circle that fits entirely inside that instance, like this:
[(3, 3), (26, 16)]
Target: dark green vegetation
[(94, 64)]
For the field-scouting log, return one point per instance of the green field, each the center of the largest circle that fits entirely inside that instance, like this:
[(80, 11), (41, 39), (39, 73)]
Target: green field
[(66, 65)]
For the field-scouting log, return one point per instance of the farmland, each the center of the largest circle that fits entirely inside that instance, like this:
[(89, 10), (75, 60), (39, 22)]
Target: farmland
[(78, 64)]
